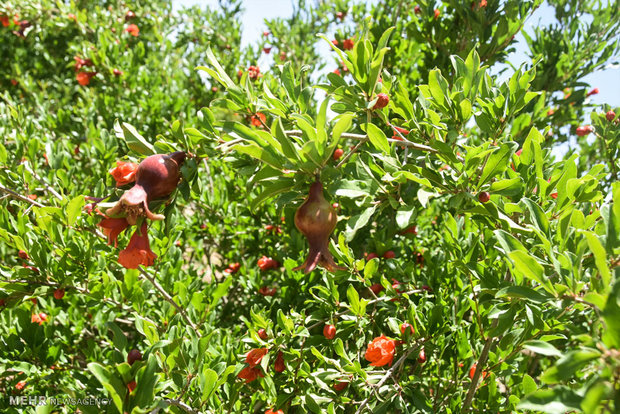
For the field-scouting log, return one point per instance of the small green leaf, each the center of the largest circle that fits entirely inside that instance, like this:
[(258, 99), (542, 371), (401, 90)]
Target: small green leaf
[(74, 208), (378, 138), (134, 140)]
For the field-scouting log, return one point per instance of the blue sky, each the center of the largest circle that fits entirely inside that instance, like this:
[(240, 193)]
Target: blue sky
[(608, 80)]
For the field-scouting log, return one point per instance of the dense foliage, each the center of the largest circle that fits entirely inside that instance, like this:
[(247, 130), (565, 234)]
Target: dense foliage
[(447, 261)]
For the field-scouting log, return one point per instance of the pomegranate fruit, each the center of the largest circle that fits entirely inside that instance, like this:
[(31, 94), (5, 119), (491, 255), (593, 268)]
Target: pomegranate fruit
[(316, 219), (157, 176)]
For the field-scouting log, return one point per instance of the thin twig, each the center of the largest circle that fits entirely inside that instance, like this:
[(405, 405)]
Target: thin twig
[(345, 135), (346, 157), (46, 185), (390, 372), (169, 299), (20, 197), (482, 360)]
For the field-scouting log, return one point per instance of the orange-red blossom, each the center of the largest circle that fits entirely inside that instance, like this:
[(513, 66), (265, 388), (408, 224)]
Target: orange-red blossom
[(380, 351)]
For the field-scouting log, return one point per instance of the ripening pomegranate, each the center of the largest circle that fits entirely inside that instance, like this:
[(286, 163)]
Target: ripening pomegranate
[(133, 356), (316, 219), (157, 176)]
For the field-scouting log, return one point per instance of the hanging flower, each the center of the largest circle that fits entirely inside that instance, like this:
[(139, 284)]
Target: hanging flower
[(249, 374), (124, 173), (255, 356), (258, 119), (279, 365), (138, 251), (83, 78), (112, 227), (380, 351)]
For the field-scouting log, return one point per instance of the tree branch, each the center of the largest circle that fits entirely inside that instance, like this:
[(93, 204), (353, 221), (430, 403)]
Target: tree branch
[(169, 299), (420, 147), (482, 360), (20, 197)]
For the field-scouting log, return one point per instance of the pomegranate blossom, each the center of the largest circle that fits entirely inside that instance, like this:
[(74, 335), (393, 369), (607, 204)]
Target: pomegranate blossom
[(316, 219)]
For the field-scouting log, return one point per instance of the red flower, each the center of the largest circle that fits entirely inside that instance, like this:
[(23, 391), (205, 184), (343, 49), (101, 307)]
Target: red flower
[(72, 16), (376, 288), (336, 71), (112, 227), (254, 357), (417, 9), (20, 385), (133, 30), (382, 101), (265, 291), (437, 13), (39, 318), (593, 92), (380, 351), (339, 386), (232, 268), (83, 78), (270, 411), (5, 21), (278, 365), (249, 374), (253, 72), (266, 263), (371, 256), (138, 251), (266, 50), (131, 386), (23, 255), (347, 44), (403, 131), (610, 116), (258, 119), (335, 42), (124, 172), (79, 62)]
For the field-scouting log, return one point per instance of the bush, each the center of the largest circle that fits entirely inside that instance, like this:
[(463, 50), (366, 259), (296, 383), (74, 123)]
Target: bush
[(156, 255)]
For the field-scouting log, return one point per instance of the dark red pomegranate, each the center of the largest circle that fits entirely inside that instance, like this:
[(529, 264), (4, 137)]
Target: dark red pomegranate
[(316, 219), (157, 177)]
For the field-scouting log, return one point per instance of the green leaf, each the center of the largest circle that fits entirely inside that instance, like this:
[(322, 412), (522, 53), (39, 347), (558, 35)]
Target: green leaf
[(568, 365), (497, 162), (112, 384), (611, 315), (558, 400), (522, 292), (271, 189), (537, 214), (134, 140), (74, 208), (600, 257), (262, 154), (377, 138), (145, 383), (210, 381), (530, 268), (220, 73), (358, 221), (220, 291), (542, 347)]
